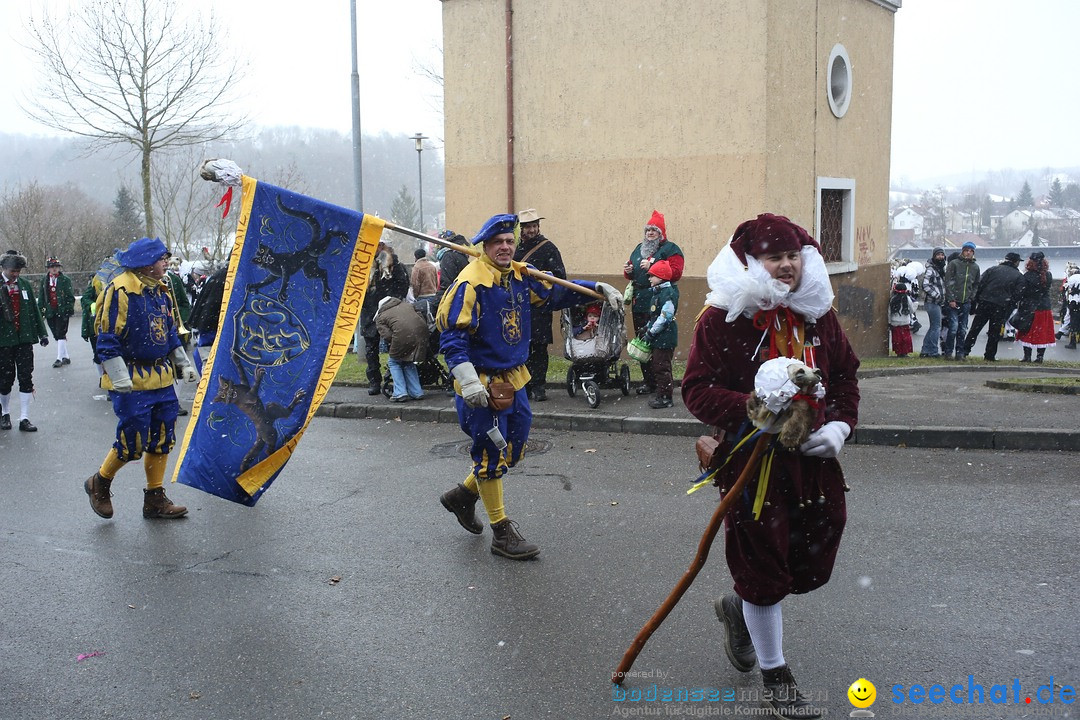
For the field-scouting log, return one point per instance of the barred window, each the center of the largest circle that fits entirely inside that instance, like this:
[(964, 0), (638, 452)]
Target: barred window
[(835, 224), (831, 230)]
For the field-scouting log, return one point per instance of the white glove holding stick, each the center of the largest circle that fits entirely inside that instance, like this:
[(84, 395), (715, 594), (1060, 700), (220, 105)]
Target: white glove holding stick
[(614, 297), (827, 441), (184, 368), (472, 390), (118, 374)]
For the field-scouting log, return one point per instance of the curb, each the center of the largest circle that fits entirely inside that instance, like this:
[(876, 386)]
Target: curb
[(973, 438)]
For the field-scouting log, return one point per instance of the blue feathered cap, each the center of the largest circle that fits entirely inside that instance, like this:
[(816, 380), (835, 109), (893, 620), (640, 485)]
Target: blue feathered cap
[(142, 252), (496, 225)]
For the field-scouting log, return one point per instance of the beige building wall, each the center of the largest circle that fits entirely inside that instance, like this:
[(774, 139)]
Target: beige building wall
[(710, 111)]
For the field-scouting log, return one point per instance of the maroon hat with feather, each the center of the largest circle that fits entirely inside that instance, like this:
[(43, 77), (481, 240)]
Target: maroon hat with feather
[(769, 233)]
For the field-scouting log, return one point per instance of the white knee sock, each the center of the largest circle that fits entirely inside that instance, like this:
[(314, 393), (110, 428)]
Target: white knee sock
[(61, 349), (766, 626), (4, 400), (24, 403)]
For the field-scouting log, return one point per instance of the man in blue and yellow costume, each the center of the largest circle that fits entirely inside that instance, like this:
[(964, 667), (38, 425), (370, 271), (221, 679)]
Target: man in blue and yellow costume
[(141, 353), (486, 319)]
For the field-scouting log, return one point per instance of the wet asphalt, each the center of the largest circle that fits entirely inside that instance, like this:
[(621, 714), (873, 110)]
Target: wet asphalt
[(348, 592)]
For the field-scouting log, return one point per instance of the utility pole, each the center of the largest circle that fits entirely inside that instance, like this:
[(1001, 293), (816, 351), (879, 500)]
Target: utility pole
[(358, 165)]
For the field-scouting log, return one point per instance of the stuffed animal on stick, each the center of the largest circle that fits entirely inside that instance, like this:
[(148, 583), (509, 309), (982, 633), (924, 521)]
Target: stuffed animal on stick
[(785, 399)]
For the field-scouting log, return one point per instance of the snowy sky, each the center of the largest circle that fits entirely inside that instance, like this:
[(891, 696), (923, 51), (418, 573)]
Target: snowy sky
[(979, 84)]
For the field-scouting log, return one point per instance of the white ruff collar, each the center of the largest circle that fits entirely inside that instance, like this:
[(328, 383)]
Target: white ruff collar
[(743, 290)]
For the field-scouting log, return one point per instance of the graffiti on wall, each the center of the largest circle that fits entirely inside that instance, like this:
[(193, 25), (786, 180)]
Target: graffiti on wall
[(864, 245)]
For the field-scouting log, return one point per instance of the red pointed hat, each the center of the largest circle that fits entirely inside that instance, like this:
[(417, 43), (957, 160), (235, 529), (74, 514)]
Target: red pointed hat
[(769, 233), (657, 220)]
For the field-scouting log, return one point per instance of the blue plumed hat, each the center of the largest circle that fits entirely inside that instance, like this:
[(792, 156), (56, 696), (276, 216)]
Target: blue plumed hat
[(496, 225), (142, 252)]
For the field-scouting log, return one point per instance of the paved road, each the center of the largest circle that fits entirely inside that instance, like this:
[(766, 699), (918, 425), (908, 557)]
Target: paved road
[(955, 563)]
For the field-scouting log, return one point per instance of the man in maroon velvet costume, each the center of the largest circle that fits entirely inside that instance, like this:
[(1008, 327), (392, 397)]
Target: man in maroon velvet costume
[(770, 297)]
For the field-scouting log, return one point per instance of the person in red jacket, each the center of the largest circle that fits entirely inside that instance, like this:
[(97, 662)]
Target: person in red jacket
[(770, 297)]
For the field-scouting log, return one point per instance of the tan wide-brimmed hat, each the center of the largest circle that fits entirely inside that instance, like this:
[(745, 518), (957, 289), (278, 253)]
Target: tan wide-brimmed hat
[(528, 216)]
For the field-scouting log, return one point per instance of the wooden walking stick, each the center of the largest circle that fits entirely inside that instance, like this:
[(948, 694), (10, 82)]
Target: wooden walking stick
[(475, 252), (687, 579)]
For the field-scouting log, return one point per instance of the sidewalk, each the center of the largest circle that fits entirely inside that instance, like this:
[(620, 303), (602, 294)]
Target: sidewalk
[(930, 407)]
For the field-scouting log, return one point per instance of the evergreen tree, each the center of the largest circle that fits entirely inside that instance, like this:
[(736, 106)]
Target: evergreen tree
[(1057, 194), (404, 211), (1071, 196), (127, 223), (1025, 198)]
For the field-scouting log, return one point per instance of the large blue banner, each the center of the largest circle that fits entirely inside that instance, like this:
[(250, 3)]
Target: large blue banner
[(295, 284)]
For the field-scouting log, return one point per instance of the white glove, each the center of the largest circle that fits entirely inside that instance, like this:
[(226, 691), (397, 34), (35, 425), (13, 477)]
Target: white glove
[(827, 441), (613, 296), (117, 371), (184, 367), (472, 390)]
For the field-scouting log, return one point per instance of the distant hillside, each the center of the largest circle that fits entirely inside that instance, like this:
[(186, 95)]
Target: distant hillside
[(315, 162), (1005, 182)]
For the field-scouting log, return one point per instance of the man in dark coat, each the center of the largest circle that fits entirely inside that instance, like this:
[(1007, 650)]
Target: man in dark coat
[(20, 327), (542, 254), (388, 279), (961, 279), (996, 295), (57, 301)]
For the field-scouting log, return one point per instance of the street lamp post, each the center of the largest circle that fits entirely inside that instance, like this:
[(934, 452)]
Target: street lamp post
[(419, 140)]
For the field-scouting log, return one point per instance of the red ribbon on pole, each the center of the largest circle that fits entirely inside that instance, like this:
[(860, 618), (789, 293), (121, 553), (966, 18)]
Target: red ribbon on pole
[(225, 200)]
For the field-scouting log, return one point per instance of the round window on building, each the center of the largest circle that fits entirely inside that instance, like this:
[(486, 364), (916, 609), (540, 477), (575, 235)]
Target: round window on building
[(839, 80)]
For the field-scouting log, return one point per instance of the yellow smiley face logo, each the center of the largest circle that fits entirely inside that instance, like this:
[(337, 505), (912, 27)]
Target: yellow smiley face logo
[(862, 693)]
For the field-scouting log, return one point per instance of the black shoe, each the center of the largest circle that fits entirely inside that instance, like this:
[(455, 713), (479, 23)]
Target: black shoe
[(783, 697), (462, 503), (645, 390), (989, 359), (737, 643), (1071, 346), (925, 356), (374, 389), (660, 401), (26, 426), (5, 422), (540, 394), (57, 363), (181, 412), (508, 543), (66, 361)]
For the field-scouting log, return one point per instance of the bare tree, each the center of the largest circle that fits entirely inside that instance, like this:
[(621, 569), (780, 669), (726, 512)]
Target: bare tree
[(133, 72), (41, 221)]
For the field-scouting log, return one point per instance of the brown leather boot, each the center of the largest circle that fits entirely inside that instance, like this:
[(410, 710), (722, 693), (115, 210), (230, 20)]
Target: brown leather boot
[(156, 504), (97, 488), (507, 541), (462, 503)]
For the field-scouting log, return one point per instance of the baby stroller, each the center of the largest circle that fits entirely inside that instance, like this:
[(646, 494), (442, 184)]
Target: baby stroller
[(431, 370), (594, 351)]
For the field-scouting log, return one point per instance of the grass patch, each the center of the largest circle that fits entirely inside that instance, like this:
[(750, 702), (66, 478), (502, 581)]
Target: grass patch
[(1057, 381)]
